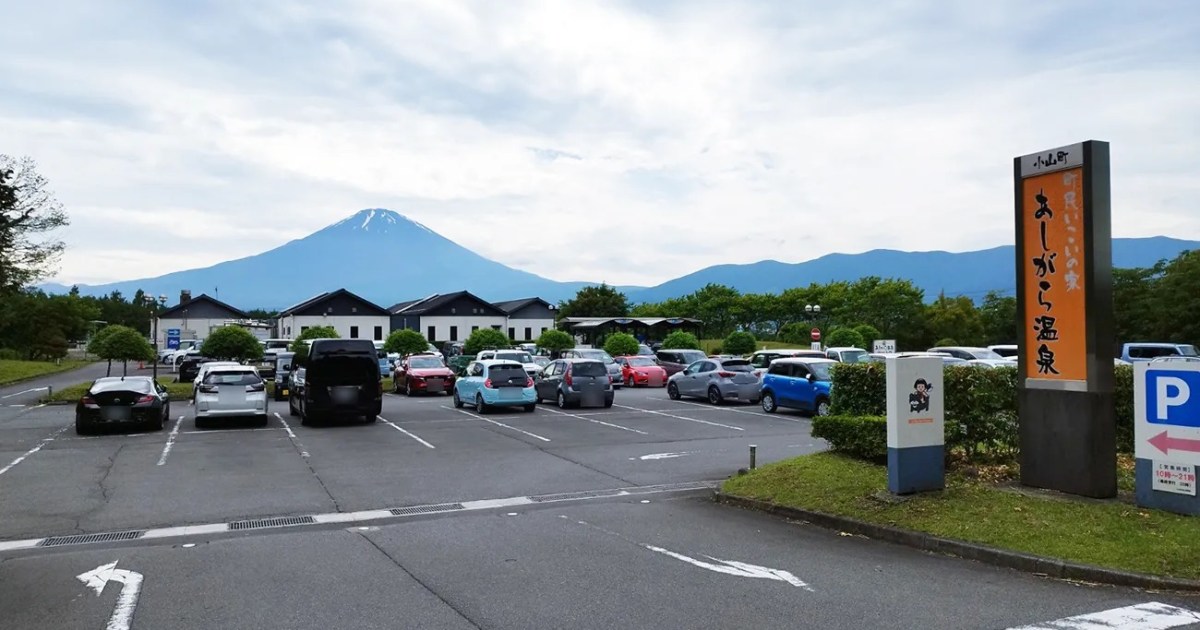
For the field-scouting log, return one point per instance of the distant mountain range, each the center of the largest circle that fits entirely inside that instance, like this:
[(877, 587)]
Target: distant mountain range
[(385, 257)]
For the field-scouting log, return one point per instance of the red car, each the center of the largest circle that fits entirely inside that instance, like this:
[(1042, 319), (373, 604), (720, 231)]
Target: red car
[(642, 370), (422, 373)]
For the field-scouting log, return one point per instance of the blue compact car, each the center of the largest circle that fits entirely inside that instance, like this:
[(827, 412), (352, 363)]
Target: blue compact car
[(494, 383), (797, 384)]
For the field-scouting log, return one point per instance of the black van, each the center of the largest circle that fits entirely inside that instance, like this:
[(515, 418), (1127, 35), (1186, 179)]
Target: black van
[(341, 380)]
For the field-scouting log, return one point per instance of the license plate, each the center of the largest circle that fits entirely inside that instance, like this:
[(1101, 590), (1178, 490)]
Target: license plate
[(285, 392)]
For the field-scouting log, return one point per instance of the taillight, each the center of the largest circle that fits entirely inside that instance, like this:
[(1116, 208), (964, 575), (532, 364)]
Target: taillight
[(146, 399), (725, 374), (257, 387), (208, 389), (488, 384), (88, 400), (567, 379), (528, 382)]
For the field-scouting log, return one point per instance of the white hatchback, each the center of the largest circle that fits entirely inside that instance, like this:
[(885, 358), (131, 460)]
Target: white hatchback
[(231, 391)]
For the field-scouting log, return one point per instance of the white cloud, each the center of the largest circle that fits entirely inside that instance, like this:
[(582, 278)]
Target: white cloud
[(705, 132)]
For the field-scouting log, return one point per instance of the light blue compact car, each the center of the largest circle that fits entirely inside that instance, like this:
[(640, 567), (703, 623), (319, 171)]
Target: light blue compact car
[(495, 383)]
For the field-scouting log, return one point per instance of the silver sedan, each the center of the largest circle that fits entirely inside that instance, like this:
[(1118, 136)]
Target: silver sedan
[(716, 380)]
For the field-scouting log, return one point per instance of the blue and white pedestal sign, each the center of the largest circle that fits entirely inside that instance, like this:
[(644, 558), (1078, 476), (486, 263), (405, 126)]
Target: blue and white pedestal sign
[(1166, 434), (173, 337), (916, 425)]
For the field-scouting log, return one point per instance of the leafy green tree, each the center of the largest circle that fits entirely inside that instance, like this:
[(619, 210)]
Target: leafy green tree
[(125, 344), (845, 338), (1177, 300), (595, 301), (555, 341), (718, 306), (869, 334), (621, 344), (955, 318), (262, 314), (999, 316), (316, 332), (896, 307), (405, 341), (1135, 314), (97, 345), (681, 340), (485, 338), (945, 342), (28, 211), (739, 342), (232, 343), (795, 332)]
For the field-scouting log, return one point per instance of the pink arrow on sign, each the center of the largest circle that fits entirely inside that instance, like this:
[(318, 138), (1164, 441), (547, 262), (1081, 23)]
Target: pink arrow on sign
[(1165, 443)]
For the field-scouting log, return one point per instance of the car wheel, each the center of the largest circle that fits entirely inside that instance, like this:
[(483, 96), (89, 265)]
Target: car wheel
[(480, 407), (458, 403), (673, 391), (608, 403), (628, 381), (395, 386), (822, 406), (408, 388), (562, 400), (371, 417), (82, 427), (531, 408), (714, 396), (768, 402), (261, 420)]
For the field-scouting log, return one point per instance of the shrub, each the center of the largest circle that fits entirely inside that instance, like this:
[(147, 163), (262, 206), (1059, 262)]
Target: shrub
[(232, 343), (869, 334), (555, 340), (8, 354), (484, 338), (405, 341), (859, 436), (680, 340), (621, 344), (944, 342), (316, 332), (739, 343), (845, 338), (1123, 399), (795, 332), (859, 389)]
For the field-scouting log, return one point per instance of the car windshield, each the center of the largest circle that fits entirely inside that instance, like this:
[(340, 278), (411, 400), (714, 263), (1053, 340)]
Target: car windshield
[(821, 371), (737, 365), (1187, 350), (519, 357), (424, 363), (232, 378), (541, 361), (984, 353), (691, 356), (599, 355), (854, 356), (588, 368), (641, 361)]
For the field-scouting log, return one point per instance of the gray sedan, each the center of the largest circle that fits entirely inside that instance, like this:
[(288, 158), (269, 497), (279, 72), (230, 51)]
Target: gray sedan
[(717, 380)]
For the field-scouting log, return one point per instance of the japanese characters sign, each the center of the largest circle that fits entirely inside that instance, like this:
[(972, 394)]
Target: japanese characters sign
[(1055, 314), (1177, 478)]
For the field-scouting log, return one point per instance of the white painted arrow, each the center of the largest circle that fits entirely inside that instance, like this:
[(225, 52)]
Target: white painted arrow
[(662, 455), (740, 569), (98, 578)]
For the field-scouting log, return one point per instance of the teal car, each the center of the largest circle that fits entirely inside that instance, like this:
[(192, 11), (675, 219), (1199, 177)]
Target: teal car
[(492, 383)]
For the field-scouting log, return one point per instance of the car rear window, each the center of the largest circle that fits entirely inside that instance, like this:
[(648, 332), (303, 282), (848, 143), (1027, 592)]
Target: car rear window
[(737, 365), (232, 378), (508, 375), (692, 356), (588, 368), (641, 361), (140, 385), (519, 357)]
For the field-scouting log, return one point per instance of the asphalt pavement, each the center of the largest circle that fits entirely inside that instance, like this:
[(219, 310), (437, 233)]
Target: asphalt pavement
[(436, 517)]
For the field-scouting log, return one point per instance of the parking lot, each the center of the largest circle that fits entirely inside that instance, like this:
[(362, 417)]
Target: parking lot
[(437, 517)]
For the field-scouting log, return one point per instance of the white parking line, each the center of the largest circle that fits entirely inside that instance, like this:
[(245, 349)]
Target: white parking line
[(411, 435), (292, 436), (34, 449), (671, 415), (607, 424), (499, 424), (745, 411), (1148, 616), (36, 389), (170, 441), (211, 431)]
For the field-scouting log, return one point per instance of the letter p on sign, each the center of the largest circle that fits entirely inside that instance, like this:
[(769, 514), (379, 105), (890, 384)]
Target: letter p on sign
[(1169, 397), (1171, 391)]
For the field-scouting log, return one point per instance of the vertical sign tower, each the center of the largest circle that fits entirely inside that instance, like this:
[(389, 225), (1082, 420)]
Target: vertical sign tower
[(1065, 320)]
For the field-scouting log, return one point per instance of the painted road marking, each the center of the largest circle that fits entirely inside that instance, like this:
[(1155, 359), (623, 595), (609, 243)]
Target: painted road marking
[(210, 529), (28, 391), (411, 435), (607, 424), (170, 441), (499, 424), (671, 415), (292, 436), (98, 578), (1148, 616), (653, 456), (745, 411), (33, 450)]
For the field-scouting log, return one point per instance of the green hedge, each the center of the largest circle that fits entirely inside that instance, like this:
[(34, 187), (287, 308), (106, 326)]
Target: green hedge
[(981, 405), (864, 437)]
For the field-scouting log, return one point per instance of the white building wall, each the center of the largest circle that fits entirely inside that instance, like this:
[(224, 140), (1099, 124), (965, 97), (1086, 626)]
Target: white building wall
[(463, 322), (536, 326), (341, 323), (191, 328)]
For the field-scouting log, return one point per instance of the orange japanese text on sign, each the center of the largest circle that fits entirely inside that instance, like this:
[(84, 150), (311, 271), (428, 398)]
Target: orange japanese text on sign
[(1052, 273)]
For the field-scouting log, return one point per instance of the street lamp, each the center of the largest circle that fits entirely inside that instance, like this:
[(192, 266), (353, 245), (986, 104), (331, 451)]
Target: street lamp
[(814, 312), (153, 303)]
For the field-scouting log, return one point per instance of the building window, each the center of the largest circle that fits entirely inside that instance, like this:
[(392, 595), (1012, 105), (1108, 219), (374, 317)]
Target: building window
[(543, 329), (512, 333), (496, 327), (528, 334), (302, 329), (474, 328), (454, 333), (432, 333), (354, 332), (288, 334), (379, 333)]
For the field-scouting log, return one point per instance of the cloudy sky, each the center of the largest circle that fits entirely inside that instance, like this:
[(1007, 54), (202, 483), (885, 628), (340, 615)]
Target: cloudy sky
[(671, 134)]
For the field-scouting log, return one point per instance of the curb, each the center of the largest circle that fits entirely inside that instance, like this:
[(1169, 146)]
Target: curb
[(971, 551)]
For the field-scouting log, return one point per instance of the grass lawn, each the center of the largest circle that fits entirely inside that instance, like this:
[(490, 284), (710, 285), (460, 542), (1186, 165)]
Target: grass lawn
[(1107, 534), (708, 345), (177, 391), (12, 371)]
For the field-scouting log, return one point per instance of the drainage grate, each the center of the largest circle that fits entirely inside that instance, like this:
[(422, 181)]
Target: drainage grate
[(57, 541), (283, 521), (567, 496), (426, 509)]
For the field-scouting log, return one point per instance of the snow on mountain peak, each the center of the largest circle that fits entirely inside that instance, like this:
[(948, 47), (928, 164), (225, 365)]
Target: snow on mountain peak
[(381, 219)]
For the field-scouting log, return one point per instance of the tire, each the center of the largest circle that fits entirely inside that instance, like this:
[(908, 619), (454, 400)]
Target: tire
[(608, 404), (369, 418), (628, 381), (201, 423), (822, 408), (82, 427), (714, 396), (673, 391), (531, 408), (408, 391), (292, 409), (768, 403), (480, 407), (458, 404), (395, 386), (562, 400)]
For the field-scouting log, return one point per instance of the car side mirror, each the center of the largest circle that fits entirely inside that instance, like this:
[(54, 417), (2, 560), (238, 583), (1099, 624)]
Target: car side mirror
[(811, 377)]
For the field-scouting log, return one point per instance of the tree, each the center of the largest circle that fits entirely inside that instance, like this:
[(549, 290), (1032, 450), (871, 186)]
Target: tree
[(999, 316), (681, 340), (125, 344), (718, 307), (621, 344), (595, 301), (316, 332), (232, 343), (795, 332), (1176, 300), (1134, 304), (405, 341), (739, 342), (485, 338), (555, 341), (945, 342), (27, 212), (955, 318), (97, 345), (869, 334), (262, 314), (845, 338)]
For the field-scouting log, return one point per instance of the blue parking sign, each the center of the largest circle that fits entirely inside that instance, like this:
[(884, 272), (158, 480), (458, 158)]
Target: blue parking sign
[(173, 338), (1173, 397)]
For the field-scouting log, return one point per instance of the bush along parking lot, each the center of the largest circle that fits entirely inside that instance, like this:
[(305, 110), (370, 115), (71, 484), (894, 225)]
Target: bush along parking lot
[(71, 394), (16, 371), (982, 502)]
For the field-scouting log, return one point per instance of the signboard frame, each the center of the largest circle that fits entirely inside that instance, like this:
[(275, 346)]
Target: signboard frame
[(916, 424), (1166, 432)]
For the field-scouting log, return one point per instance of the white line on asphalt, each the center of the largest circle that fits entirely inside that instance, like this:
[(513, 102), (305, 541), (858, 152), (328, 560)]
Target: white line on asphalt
[(747, 412), (411, 435), (671, 415), (34, 449), (170, 441), (1148, 616), (210, 431), (36, 389), (292, 436), (16, 405), (486, 504), (607, 424), (499, 424)]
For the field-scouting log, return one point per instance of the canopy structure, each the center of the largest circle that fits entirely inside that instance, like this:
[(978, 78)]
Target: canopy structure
[(592, 329)]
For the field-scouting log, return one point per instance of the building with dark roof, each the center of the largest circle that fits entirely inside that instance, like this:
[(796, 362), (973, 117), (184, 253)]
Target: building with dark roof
[(350, 315), (195, 318), (447, 317), (528, 318)]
